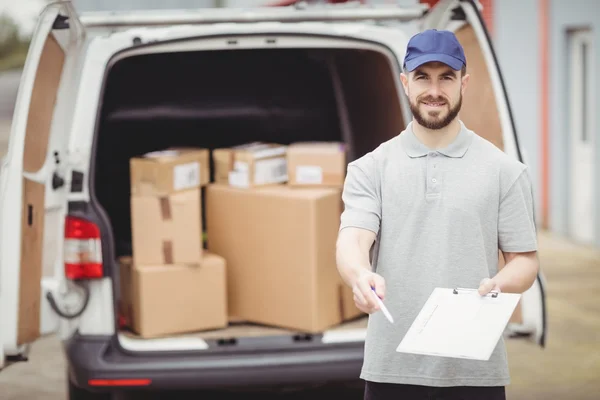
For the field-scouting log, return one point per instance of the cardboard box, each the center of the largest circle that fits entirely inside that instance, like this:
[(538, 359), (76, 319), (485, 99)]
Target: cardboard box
[(280, 253), (250, 165), (172, 299), (223, 159), (316, 164), (167, 230), (164, 172)]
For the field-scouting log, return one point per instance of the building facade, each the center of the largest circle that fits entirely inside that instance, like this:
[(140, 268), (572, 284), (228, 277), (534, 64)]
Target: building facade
[(549, 52)]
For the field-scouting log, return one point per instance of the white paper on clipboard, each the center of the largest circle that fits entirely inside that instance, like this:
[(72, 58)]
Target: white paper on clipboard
[(459, 323)]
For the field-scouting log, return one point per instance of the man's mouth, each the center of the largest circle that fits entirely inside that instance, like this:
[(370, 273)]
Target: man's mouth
[(434, 103)]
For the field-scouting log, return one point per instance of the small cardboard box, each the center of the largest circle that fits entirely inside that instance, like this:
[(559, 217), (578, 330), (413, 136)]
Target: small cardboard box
[(280, 253), (223, 159), (316, 164), (173, 299), (167, 230), (254, 165), (164, 172)]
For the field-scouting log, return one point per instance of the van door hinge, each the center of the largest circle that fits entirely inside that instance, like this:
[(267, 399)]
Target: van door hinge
[(458, 14), (57, 181), (61, 22)]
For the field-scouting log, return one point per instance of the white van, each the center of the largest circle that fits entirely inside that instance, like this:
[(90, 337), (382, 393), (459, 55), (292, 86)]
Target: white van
[(98, 89)]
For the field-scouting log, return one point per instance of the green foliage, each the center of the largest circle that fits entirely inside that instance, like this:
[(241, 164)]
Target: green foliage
[(13, 48)]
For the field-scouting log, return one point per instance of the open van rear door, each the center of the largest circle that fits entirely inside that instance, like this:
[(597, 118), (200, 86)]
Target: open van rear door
[(32, 180), (486, 111)]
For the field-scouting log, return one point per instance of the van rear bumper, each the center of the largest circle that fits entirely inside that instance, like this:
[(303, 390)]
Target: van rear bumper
[(100, 358)]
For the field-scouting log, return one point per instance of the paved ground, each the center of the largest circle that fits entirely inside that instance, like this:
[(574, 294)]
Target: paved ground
[(569, 368)]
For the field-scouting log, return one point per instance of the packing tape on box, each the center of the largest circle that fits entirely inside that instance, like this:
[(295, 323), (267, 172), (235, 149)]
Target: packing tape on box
[(165, 208), (165, 211), (168, 251)]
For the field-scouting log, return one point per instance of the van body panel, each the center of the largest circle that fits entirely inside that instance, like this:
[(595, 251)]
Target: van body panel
[(301, 365), (33, 182)]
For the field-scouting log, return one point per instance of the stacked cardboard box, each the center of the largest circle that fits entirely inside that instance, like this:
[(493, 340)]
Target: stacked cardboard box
[(171, 284), (251, 165), (317, 164), (280, 252), (274, 232), (161, 300), (301, 164)]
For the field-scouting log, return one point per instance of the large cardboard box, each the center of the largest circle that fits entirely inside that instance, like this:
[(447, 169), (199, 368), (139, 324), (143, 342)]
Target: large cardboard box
[(161, 300), (164, 172), (317, 164), (167, 230), (251, 165), (279, 245)]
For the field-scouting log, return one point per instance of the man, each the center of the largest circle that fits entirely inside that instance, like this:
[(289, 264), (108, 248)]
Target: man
[(433, 206)]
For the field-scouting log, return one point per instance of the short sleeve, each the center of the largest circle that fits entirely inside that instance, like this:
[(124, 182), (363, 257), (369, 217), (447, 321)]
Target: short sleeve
[(516, 221), (362, 203)]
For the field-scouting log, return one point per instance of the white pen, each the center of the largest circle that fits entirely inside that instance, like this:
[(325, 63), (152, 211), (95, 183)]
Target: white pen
[(383, 307)]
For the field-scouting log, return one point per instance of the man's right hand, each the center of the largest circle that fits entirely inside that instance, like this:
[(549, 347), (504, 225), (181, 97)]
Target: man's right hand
[(364, 296)]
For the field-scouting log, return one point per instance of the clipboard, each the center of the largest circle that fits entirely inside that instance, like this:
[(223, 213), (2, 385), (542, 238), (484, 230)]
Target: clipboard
[(459, 323)]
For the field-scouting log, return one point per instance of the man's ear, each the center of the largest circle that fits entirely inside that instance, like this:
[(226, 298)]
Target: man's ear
[(464, 82), (404, 80)]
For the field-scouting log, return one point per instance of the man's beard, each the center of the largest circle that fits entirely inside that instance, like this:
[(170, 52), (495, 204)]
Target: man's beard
[(435, 123)]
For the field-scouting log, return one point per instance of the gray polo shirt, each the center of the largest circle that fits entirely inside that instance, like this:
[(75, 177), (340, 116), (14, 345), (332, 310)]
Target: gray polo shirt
[(440, 217)]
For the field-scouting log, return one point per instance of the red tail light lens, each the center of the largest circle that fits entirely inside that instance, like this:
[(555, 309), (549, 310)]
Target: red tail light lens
[(82, 249), (119, 382)]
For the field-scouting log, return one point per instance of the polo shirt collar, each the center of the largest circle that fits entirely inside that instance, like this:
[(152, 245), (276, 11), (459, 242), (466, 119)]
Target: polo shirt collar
[(415, 148)]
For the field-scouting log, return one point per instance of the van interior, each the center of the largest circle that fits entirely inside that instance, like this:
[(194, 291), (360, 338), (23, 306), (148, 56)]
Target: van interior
[(222, 98), (215, 99)]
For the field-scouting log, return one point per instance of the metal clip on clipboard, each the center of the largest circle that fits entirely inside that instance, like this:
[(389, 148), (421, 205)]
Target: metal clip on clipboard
[(493, 293)]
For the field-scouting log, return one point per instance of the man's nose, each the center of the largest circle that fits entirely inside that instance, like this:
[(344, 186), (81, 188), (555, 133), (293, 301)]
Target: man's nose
[(435, 90)]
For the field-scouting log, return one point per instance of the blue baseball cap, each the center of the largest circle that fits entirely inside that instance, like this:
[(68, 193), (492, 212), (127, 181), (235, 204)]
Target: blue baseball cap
[(433, 45)]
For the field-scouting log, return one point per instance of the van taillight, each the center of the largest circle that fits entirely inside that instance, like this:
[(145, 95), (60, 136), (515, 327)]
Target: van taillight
[(82, 249)]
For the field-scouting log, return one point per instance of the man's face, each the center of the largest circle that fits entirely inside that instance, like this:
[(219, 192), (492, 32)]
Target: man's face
[(435, 92)]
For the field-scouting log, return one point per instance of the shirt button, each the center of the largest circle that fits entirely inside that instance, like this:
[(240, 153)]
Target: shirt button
[(434, 180)]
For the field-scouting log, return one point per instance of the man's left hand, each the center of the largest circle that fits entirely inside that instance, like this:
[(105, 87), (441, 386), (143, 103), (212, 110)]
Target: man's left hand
[(488, 285)]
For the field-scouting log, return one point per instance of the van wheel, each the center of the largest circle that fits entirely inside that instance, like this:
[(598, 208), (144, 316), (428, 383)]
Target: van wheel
[(77, 393)]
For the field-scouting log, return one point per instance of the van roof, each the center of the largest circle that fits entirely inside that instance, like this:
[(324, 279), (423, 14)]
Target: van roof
[(206, 16)]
